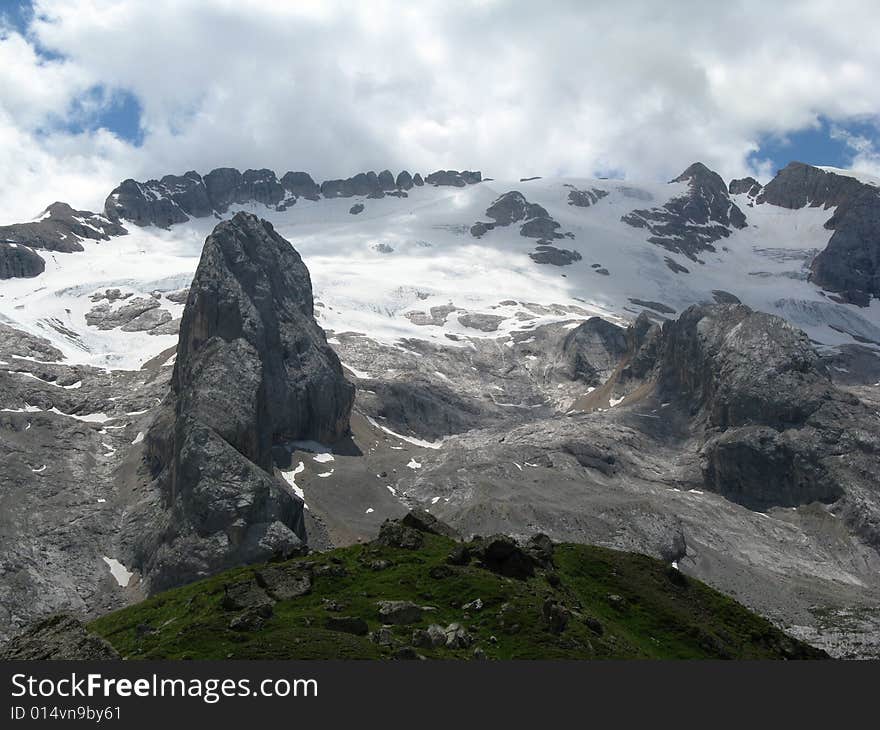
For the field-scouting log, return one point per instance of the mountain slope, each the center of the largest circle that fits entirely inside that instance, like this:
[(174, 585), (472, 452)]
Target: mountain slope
[(584, 602), (384, 271)]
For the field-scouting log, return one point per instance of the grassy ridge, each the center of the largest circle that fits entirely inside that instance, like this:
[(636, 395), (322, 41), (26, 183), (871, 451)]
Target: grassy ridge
[(615, 605)]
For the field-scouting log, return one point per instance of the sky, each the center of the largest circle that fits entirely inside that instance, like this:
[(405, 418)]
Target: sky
[(96, 91)]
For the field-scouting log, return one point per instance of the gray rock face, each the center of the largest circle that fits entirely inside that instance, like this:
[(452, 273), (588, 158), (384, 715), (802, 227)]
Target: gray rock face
[(58, 637), (585, 198), (798, 185), (655, 306), (745, 185), (404, 181), (776, 428), (417, 180), (592, 350), (259, 186), (386, 181), (104, 317), (512, 207), (480, 321), (253, 369), (743, 367), (61, 228), (17, 261), (301, 185), (189, 193), (546, 254), (453, 178), (850, 264), (693, 222), (144, 204), (175, 199), (222, 185)]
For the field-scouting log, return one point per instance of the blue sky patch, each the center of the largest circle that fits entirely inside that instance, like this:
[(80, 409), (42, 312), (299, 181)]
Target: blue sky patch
[(829, 143)]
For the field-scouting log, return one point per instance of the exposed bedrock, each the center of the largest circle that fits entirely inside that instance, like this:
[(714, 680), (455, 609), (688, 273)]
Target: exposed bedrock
[(777, 431), (19, 262), (592, 350), (61, 228), (693, 222), (253, 370)]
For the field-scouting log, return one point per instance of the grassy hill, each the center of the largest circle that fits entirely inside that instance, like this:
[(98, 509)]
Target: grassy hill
[(451, 600)]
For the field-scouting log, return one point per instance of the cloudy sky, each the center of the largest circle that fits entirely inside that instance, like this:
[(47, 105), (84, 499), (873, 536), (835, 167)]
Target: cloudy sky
[(93, 91)]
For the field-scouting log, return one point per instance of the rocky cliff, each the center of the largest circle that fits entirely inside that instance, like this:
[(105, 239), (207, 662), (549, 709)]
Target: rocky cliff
[(253, 370), (777, 432)]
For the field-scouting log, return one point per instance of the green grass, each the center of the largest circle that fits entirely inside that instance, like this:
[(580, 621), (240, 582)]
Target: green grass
[(660, 614)]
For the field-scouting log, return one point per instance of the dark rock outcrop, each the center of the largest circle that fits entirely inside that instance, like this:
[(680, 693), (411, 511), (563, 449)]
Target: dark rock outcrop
[(404, 181), (61, 228), (798, 185), (745, 185), (850, 263), (585, 198), (546, 254), (453, 178), (776, 431), (58, 637), (386, 181), (253, 369), (693, 222), (222, 184), (152, 203), (301, 185), (177, 198), (19, 262), (591, 351), (512, 207), (259, 186)]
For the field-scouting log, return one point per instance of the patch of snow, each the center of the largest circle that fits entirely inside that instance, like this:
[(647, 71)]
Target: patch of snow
[(290, 478), (138, 438), (360, 374), (413, 464), (408, 439), (119, 571)]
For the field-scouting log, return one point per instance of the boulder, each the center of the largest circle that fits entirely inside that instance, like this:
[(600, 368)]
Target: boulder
[(347, 625), (284, 582), (501, 554), (393, 533), (426, 522), (399, 612)]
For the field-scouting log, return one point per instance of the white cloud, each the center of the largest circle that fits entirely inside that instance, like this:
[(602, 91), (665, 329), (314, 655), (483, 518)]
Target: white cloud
[(512, 88)]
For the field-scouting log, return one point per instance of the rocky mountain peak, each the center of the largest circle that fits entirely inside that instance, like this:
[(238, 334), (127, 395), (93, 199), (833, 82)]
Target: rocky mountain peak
[(693, 222), (798, 185), (253, 370)]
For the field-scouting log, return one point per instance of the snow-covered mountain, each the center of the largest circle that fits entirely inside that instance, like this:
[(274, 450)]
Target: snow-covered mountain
[(484, 325), (419, 264)]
